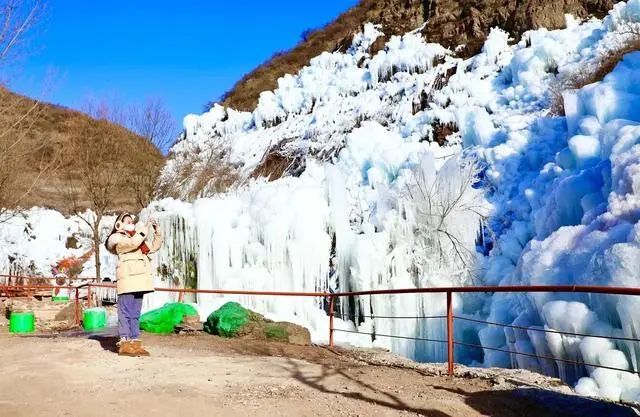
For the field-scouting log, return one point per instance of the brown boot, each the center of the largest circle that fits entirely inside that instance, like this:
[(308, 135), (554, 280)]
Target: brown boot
[(137, 346), (126, 348)]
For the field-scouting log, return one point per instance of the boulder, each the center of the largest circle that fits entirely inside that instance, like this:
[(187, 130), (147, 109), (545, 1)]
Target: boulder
[(233, 320), (190, 324)]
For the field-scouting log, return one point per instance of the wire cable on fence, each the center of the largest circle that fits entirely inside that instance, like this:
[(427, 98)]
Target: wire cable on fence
[(627, 339), (531, 355), (472, 345), (389, 317), (388, 335)]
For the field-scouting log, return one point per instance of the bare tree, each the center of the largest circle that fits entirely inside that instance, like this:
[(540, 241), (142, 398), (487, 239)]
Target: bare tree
[(18, 115), (103, 173), (22, 162), (17, 19), (144, 169), (97, 180), (446, 208), (151, 119), (154, 122), (110, 109)]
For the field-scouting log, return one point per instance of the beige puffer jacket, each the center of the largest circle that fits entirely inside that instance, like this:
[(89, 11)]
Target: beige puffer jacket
[(134, 272)]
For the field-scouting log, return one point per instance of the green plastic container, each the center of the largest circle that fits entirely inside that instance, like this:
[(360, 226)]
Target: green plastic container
[(94, 319), (22, 322), (60, 299)]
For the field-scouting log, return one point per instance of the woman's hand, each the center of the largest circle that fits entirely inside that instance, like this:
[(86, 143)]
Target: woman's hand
[(154, 224)]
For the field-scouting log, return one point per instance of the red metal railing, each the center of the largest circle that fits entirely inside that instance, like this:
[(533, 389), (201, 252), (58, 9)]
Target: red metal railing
[(11, 290), (451, 342), (450, 317), (43, 278)]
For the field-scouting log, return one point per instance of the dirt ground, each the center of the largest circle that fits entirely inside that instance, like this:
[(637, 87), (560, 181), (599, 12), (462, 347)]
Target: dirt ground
[(202, 375)]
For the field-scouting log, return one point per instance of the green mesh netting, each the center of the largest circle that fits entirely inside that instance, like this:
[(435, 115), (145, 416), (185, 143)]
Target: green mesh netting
[(163, 320), (227, 320)]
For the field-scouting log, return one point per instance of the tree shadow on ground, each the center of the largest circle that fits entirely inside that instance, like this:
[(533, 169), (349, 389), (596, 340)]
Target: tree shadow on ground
[(366, 393), (537, 402), (519, 402)]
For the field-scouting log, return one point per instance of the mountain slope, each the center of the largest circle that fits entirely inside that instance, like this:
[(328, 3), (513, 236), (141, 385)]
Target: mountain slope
[(450, 23), (45, 160)]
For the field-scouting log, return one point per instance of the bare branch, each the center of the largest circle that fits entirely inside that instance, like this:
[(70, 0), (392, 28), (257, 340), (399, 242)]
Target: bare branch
[(154, 122), (445, 207), (18, 115), (18, 17)]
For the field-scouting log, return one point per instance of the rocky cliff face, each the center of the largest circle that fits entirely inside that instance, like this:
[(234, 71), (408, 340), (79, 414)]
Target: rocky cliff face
[(456, 22), (449, 22)]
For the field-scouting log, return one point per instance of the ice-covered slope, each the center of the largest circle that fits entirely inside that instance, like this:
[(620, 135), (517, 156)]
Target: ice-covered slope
[(311, 113), (560, 194)]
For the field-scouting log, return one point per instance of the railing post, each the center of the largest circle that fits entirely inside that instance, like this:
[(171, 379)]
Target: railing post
[(89, 295), (331, 298), (77, 306), (180, 296), (450, 359)]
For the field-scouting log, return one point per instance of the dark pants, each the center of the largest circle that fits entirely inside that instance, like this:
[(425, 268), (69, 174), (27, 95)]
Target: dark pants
[(129, 307)]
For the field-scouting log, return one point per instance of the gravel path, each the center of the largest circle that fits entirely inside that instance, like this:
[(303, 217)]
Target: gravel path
[(204, 375)]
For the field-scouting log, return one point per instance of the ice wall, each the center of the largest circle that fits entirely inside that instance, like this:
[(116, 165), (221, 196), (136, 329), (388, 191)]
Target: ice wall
[(312, 112), (561, 192), (566, 213), (585, 231), (346, 226)]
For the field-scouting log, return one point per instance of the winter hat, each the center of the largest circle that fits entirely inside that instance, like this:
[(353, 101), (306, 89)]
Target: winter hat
[(118, 226)]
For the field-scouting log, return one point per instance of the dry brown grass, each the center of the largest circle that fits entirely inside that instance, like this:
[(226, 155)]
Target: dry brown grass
[(214, 179), (592, 74), (279, 161), (277, 164), (273, 166), (196, 179)]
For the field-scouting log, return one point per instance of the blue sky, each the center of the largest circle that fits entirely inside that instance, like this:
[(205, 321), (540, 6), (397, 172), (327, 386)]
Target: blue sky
[(186, 52)]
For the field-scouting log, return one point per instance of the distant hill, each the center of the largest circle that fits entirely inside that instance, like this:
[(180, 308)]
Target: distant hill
[(45, 136), (450, 22)]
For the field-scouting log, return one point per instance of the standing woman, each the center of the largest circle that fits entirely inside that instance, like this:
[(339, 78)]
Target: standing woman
[(134, 277)]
